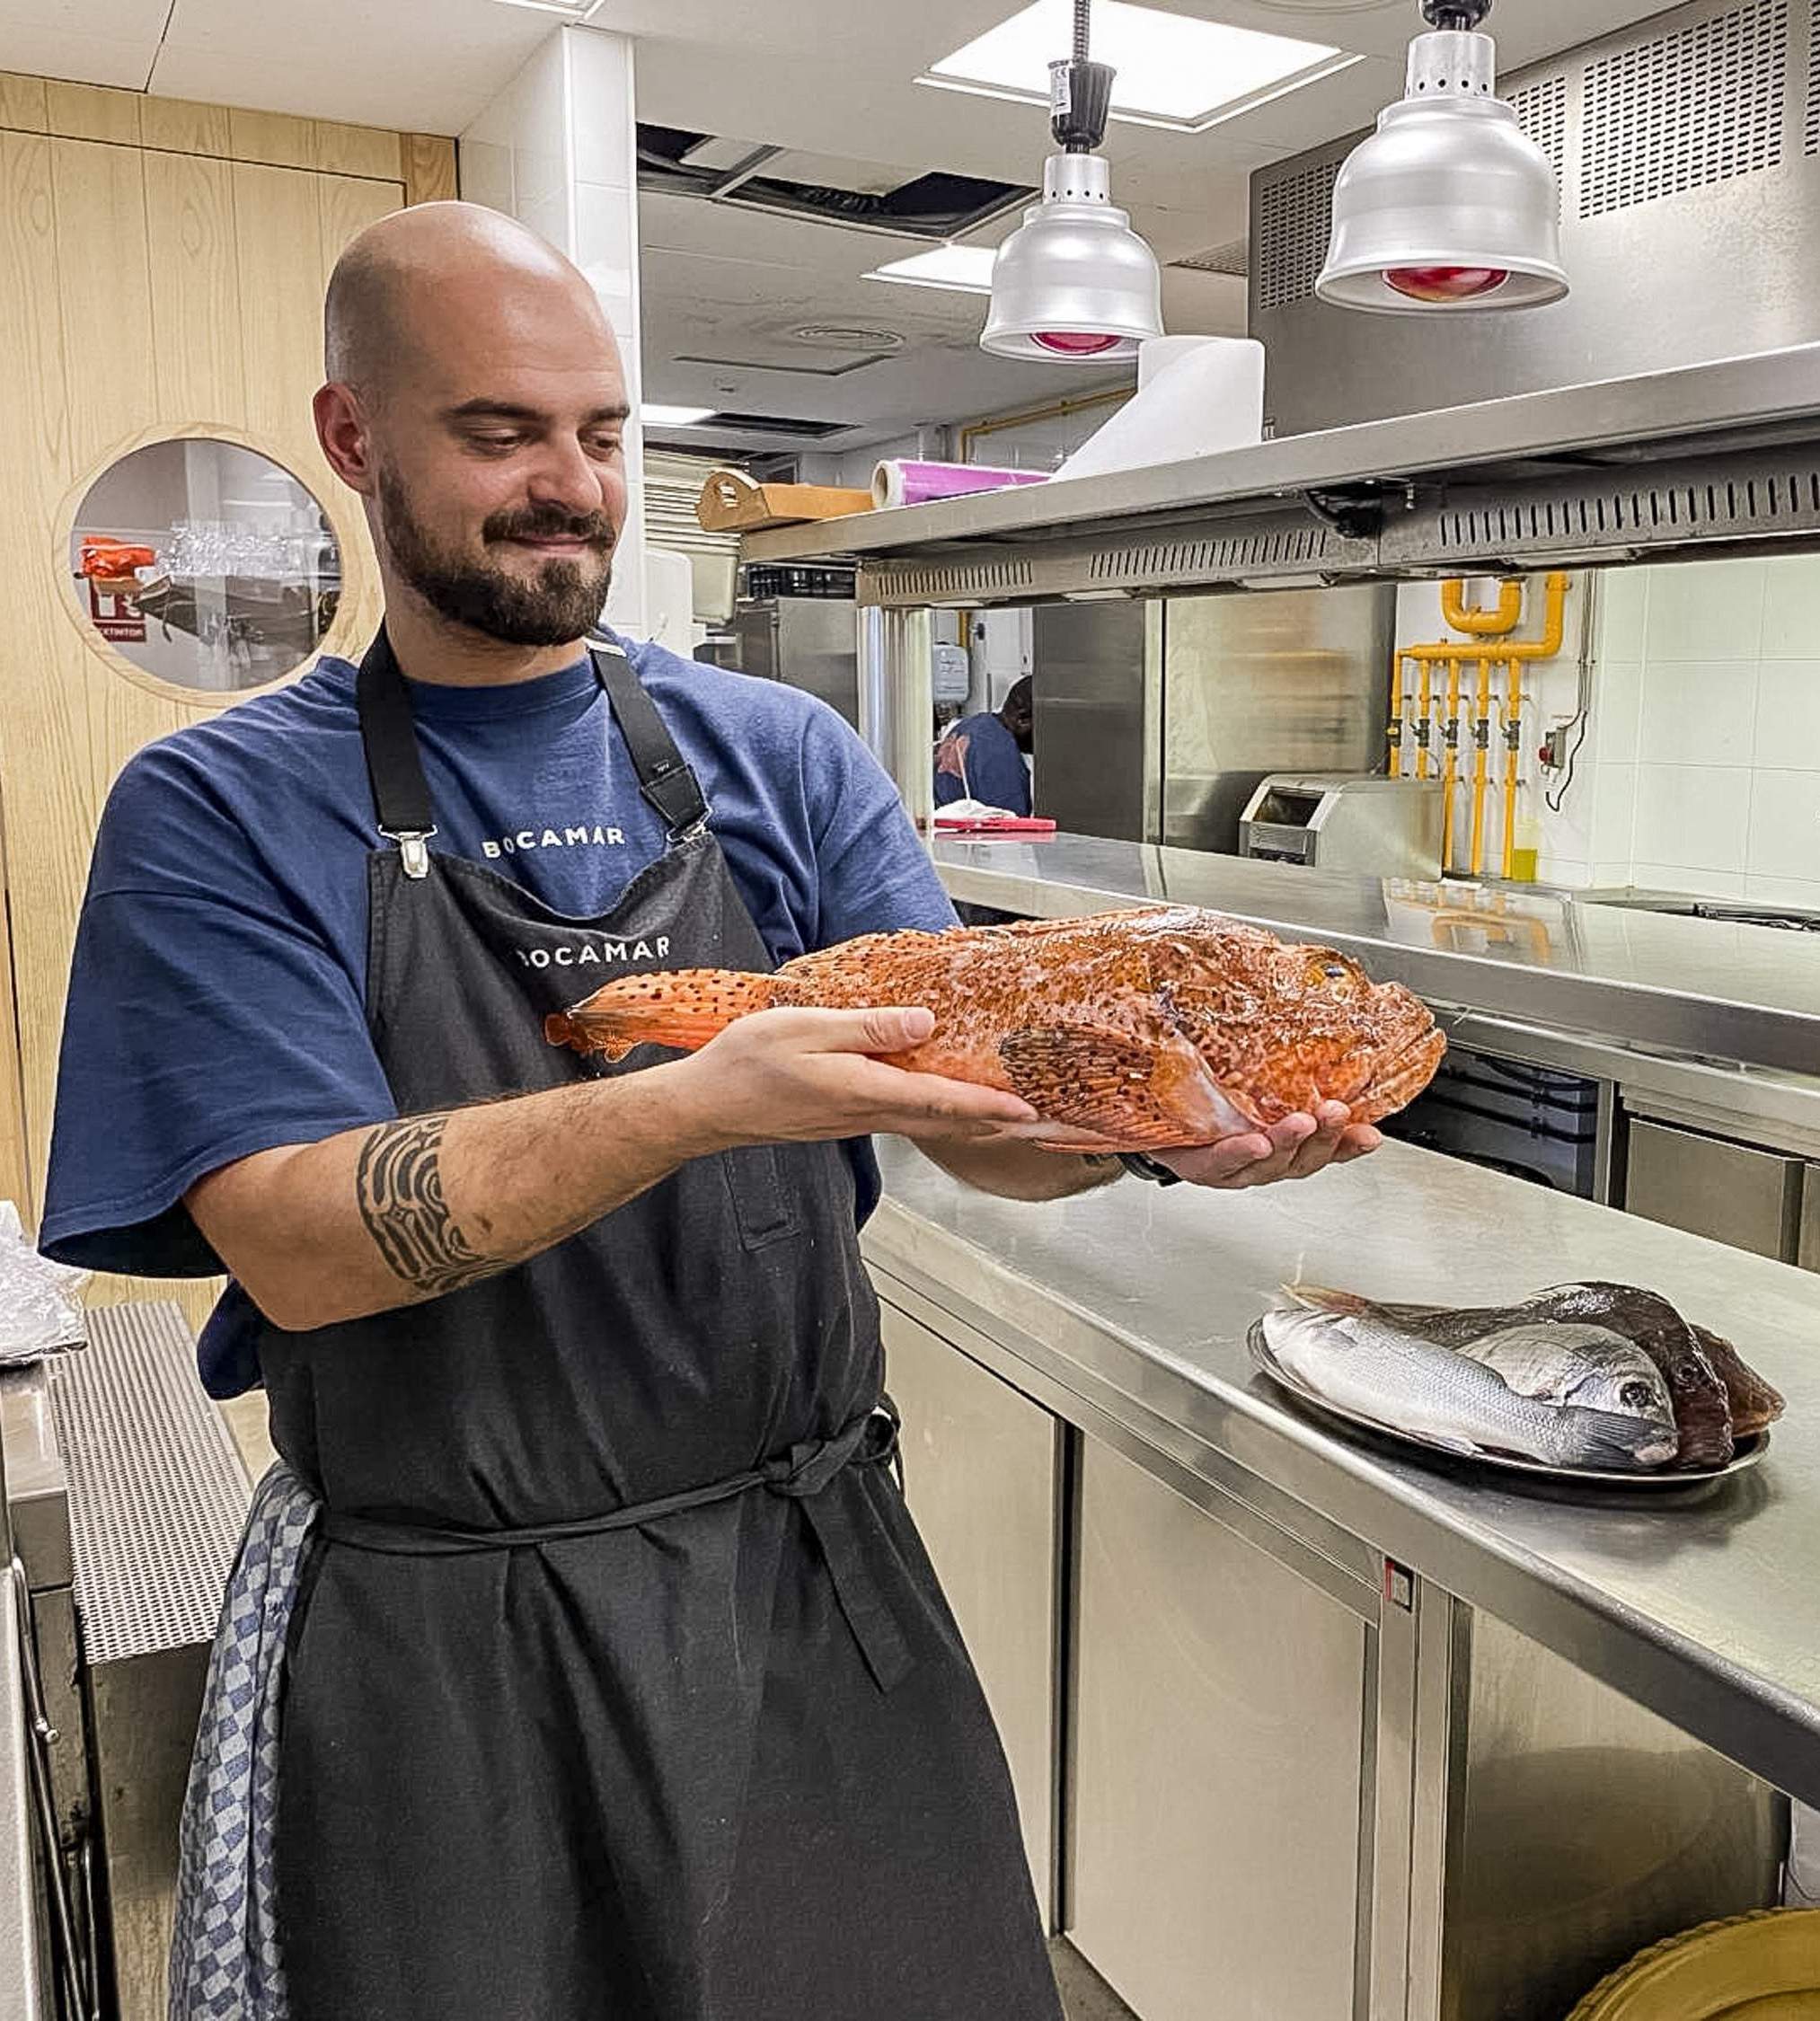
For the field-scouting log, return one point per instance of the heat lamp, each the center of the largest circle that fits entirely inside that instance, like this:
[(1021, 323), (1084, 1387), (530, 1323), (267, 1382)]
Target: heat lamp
[(1075, 285), (1449, 205)]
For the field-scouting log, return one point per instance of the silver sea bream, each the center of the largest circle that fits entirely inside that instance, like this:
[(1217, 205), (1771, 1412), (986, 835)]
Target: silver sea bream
[(1571, 1395)]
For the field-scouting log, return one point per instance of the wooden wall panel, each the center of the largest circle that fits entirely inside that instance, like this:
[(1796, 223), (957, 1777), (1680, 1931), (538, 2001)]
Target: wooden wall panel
[(429, 169), (93, 112), (278, 234), (185, 127), (146, 291), (195, 274), (24, 102), (272, 137), (368, 151)]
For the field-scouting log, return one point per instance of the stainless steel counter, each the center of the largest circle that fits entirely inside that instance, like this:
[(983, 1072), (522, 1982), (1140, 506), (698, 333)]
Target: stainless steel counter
[(1130, 1307), (1701, 989)]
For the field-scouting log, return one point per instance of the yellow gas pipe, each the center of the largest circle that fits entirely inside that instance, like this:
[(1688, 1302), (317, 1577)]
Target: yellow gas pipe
[(1481, 738), (1425, 727), (1497, 623), (1482, 624), (1450, 769), (1395, 730), (1554, 630)]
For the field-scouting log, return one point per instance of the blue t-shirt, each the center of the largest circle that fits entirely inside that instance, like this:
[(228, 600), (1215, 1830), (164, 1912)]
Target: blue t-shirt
[(992, 764), (217, 1002)]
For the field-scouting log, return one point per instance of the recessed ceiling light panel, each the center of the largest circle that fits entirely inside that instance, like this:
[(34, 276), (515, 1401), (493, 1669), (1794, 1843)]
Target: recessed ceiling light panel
[(656, 416), (968, 268), (572, 10), (1174, 70)]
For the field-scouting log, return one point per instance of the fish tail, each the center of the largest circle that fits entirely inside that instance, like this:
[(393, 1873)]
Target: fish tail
[(681, 1007), (1320, 1299)]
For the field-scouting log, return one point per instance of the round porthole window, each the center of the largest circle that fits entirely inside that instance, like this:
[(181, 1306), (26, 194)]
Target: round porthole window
[(206, 564)]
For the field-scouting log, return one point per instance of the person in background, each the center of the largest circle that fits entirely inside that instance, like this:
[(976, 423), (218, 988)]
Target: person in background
[(981, 757)]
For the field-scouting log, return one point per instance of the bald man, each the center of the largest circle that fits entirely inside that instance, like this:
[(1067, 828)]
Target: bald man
[(582, 1662)]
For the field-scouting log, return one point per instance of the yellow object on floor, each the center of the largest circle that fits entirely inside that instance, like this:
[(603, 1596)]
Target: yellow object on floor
[(1764, 1967)]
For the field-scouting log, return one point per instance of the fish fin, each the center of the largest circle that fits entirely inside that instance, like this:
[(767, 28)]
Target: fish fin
[(680, 1008), (1134, 1093), (1318, 1298)]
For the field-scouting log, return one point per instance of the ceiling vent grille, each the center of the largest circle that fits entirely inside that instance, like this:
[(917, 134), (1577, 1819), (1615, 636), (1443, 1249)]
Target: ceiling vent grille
[(1235, 259), (1541, 112), (1295, 224), (1693, 108)]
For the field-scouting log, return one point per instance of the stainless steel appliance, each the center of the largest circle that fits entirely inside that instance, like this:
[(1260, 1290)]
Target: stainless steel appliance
[(1155, 722), (1686, 145), (1346, 821), (810, 642)]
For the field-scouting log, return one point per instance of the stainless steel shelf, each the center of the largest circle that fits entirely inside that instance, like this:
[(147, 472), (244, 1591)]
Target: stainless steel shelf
[(1697, 989), (1133, 1303), (1712, 458)]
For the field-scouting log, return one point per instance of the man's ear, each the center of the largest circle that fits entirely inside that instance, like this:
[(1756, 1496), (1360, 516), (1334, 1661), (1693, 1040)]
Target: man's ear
[(342, 429)]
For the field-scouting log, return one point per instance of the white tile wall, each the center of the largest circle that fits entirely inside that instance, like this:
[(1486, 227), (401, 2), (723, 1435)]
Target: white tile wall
[(1785, 825), (1702, 767), (1695, 817), (1705, 611)]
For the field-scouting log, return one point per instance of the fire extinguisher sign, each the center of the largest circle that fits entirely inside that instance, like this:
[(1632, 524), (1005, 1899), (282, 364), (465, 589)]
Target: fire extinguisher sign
[(115, 614)]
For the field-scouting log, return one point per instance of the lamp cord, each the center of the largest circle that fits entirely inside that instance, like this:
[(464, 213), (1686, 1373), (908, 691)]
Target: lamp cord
[(1082, 8)]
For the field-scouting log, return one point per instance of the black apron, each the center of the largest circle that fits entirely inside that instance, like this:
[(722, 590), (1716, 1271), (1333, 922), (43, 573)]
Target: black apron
[(620, 1688)]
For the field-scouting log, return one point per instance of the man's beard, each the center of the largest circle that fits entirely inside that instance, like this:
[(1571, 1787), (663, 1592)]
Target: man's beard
[(562, 602)]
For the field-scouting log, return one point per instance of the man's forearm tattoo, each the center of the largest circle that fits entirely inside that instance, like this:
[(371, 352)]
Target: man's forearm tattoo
[(400, 1188)]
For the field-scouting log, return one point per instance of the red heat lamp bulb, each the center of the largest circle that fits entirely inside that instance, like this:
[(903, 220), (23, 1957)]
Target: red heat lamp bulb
[(1446, 284), (1081, 343)]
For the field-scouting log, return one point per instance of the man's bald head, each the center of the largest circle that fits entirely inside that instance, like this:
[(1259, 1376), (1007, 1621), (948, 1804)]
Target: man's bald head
[(410, 273), (477, 402)]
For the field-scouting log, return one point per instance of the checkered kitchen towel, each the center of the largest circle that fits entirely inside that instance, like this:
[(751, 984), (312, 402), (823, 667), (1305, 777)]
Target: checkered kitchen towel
[(224, 1964)]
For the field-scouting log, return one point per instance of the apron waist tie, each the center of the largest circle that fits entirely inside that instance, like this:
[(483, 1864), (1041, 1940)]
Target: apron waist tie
[(799, 1475)]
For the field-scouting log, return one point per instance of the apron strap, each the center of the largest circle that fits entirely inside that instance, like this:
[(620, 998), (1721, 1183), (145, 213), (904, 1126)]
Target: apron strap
[(801, 1475), (394, 767), (664, 777)]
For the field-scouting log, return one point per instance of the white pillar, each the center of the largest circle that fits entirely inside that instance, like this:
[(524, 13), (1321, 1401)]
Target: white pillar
[(558, 149)]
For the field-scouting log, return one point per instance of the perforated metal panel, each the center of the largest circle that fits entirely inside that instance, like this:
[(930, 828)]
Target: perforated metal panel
[(1813, 128), (1541, 112), (157, 1492), (1234, 258), (1295, 224), (1656, 509), (1682, 111), (1256, 547)]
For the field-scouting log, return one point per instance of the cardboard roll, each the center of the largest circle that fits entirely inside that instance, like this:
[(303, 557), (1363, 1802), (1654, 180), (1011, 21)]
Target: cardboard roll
[(1764, 1967)]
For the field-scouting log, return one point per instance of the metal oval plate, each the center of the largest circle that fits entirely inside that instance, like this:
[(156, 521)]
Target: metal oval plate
[(1748, 1452)]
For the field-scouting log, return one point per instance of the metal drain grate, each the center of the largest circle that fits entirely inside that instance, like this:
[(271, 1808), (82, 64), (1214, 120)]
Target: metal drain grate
[(1295, 224), (157, 1494), (1699, 106)]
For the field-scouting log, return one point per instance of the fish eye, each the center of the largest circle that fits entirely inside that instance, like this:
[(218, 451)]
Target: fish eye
[(1332, 972), (1637, 1395)]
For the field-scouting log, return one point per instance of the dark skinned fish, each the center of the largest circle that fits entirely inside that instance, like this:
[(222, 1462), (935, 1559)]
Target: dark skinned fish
[(1717, 1396)]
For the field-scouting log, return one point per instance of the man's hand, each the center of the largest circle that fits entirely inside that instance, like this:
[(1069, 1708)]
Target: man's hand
[(803, 1076), (1296, 1148)]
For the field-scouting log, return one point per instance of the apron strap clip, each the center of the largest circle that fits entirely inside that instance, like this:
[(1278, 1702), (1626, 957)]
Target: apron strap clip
[(413, 846)]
